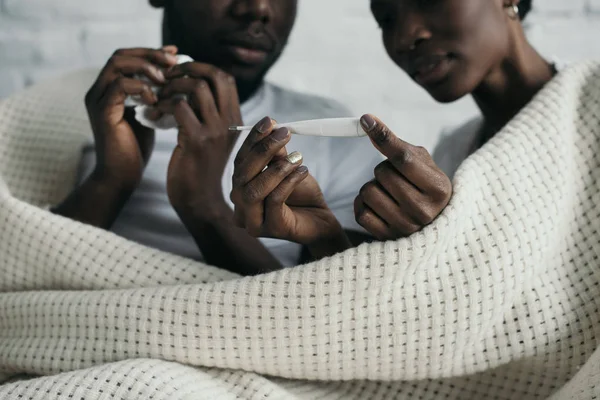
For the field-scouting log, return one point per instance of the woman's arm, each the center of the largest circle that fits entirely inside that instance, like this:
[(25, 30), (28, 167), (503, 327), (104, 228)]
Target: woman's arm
[(282, 201)]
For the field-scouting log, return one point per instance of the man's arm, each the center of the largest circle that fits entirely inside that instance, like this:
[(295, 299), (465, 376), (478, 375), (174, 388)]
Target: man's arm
[(122, 145), (96, 202)]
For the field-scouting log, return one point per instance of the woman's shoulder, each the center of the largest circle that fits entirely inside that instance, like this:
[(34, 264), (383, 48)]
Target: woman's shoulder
[(456, 144)]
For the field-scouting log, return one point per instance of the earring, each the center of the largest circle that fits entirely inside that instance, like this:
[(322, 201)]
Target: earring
[(513, 11)]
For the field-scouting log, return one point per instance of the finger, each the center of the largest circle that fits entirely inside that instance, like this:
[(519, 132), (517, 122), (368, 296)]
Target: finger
[(150, 63), (170, 48), (159, 57), (258, 189), (153, 114), (281, 193), (410, 161), (193, 69), (418, 168), (382, 137), (222, 84), (378, 200), (120, 66), (280, 155), (412, 201), (123, 87), (187, 122), (167, 106), (199, 93), (275, 203), (366, 218), (253, 195), (238, 217), (260, 155), (263, 128), (203, 101)]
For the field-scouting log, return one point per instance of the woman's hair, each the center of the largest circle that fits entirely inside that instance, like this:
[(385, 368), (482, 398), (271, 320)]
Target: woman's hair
[(524, 8)]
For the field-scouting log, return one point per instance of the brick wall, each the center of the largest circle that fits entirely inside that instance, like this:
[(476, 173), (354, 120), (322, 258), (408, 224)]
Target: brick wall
[(335, 50)]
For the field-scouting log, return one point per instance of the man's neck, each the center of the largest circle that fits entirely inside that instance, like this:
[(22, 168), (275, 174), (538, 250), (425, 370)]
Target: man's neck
[(247, 90), (512, 85)]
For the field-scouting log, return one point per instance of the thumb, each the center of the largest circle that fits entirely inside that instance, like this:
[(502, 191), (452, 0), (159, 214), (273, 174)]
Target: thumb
[(382, 137)]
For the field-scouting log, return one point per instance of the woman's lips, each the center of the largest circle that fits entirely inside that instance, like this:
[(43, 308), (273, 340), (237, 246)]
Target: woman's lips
[(430, 70)]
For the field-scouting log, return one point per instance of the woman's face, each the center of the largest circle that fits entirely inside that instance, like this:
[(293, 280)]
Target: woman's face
[(446, 46)]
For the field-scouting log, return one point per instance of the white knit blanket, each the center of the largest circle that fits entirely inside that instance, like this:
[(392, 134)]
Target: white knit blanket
[(499, 298)]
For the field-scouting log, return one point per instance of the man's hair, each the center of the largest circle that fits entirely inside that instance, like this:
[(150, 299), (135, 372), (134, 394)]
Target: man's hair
[(524, 8)]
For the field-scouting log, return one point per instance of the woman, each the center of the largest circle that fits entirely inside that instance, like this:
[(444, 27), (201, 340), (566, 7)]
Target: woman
[(451, 48)]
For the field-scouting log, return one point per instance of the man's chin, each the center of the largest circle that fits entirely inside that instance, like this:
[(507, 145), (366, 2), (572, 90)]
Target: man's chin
[(247, 81), (245, 75)]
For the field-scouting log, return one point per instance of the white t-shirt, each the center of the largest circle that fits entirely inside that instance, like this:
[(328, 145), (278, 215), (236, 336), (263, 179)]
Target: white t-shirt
[(340, 165)]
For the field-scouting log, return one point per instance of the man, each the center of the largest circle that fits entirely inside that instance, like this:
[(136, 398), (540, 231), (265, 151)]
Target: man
[(170, 189)]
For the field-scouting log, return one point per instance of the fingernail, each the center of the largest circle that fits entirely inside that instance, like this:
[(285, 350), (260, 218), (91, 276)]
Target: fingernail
[(169, 48), (160, 75), (178, 98), (303, 169), (171, 57), (368, 123), (263, 124), (280, 134), (294, 158)]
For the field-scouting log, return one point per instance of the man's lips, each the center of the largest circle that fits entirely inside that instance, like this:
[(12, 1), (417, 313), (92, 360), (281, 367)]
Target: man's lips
[(247, 55), (249, 49)]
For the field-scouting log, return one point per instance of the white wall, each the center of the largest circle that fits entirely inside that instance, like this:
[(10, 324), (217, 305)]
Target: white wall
[(335, 50)]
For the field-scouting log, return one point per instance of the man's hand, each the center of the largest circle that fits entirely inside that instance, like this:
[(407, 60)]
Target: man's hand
[(282, 201), (198, 162), (204, 140), (409, 190), (123, 146)]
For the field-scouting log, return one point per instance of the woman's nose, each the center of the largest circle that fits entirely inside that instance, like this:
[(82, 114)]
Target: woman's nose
[(410, 31)]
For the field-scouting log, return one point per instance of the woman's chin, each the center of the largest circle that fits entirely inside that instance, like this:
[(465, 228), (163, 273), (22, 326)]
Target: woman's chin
[(446, 94)]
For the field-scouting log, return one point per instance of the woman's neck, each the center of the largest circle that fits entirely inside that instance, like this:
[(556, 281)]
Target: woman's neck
[(511, 85)]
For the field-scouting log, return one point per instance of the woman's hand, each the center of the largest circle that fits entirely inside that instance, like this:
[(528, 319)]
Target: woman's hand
[(409, 190), (282, 201)]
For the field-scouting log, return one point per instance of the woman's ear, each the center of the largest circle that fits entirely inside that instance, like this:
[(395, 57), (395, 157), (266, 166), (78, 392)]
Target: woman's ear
[(158, 3)]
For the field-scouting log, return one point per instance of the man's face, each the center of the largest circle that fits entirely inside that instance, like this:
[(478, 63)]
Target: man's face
[(241, 37)]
